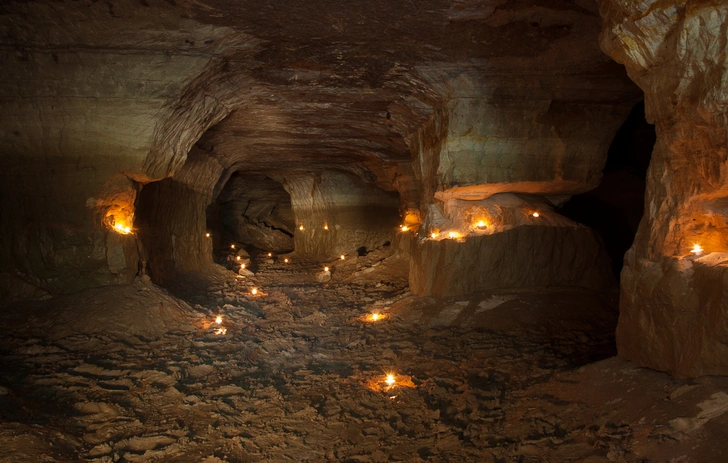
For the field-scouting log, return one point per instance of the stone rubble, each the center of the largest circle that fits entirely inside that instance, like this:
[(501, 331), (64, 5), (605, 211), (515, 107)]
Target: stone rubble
[(498, 377)]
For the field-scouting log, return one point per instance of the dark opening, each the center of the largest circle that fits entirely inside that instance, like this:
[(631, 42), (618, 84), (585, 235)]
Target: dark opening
[(252, 211), (614, 209)]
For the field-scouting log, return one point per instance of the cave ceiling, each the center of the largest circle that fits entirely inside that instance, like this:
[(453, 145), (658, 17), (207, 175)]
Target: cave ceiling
[(325, 84)]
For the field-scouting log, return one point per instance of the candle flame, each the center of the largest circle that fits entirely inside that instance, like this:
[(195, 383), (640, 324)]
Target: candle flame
[(373, 317), (242, 265), (121, 228), (232, 246), (254, 291), (270, 254), (218, 320), (481, 224), (536, 214), (300, 227), (326, 226), (405, 228), (237, 258), (390, 380), (433, 235), (285, 260), (326, 269), (342, 257), (453, 235), (207, 235), (697, 249)]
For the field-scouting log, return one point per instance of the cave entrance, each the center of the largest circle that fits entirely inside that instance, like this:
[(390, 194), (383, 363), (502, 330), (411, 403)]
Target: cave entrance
[(253, 211), (614, 208)]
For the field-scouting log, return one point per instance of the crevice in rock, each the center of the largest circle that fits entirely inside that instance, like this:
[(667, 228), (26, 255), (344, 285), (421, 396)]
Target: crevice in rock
[(615, 207)]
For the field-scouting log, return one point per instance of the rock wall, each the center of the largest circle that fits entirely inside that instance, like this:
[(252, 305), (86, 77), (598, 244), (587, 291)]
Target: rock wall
[(673, 308), (86, 94), (521, 132), (172, 220), (338, 214), (505, 241)]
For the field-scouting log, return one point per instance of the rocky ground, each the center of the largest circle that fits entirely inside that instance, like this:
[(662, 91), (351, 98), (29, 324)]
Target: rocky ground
[(298, 373)]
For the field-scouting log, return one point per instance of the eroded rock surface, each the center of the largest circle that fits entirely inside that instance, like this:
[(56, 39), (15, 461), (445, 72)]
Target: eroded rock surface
[(495, 376), (100, 100), (671, 305)]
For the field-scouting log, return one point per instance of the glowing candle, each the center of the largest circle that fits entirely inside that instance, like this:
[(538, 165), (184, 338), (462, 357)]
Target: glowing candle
[(285, 260), (697, 250), (207, 235), (375, 316), (326, 269), (232, 246), (405, 228), (270, 254), (343, 257), (433, 235), (254, 291), (390, 380), (242, 265), (237, 258), (536, 214), (300, 227), (481, 224), (121, 228), (326, 226), (218, 320), (452, 235)]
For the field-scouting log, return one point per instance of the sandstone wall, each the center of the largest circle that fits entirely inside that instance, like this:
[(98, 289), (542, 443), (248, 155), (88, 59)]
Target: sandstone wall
[(339, 214), (673, 311)]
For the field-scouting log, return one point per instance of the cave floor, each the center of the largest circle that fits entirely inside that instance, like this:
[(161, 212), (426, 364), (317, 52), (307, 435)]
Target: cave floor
[(523, 376)]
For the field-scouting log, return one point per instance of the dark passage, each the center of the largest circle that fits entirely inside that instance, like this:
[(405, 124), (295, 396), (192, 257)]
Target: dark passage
[(614, 209)]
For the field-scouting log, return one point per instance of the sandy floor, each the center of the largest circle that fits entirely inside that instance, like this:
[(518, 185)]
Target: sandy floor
[(296, 373)]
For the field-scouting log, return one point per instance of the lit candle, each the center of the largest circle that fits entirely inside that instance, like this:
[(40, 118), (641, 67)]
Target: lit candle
[(697, 250), (207, 235), (242, 265), (121, 228), (480, 224), (232, 246), (270, 254), (300, 227), (405, 228), (536, 214), (326, 269), (452, 235), (218, 320), (343, 257), (433, 235), (375, 316), (285, 260), (237, 258), (326, 226), (254, 291), (390, 380)]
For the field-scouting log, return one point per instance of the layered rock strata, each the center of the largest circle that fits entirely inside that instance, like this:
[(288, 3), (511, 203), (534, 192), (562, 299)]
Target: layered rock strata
[(338, 214), (505, 241), (673, 308)]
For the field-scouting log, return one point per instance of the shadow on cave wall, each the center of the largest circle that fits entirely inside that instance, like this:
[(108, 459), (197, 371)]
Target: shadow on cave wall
[(614, 209)]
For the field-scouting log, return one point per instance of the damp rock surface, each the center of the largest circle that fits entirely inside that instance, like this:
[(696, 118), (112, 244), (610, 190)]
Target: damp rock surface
[(296, 373)]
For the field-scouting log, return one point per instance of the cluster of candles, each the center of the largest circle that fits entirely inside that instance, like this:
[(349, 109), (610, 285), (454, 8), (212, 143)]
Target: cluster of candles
[(302, 228)]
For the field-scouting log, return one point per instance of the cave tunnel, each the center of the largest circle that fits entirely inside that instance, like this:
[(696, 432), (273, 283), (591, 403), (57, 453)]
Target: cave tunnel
[(253, 211), (374, 232)]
